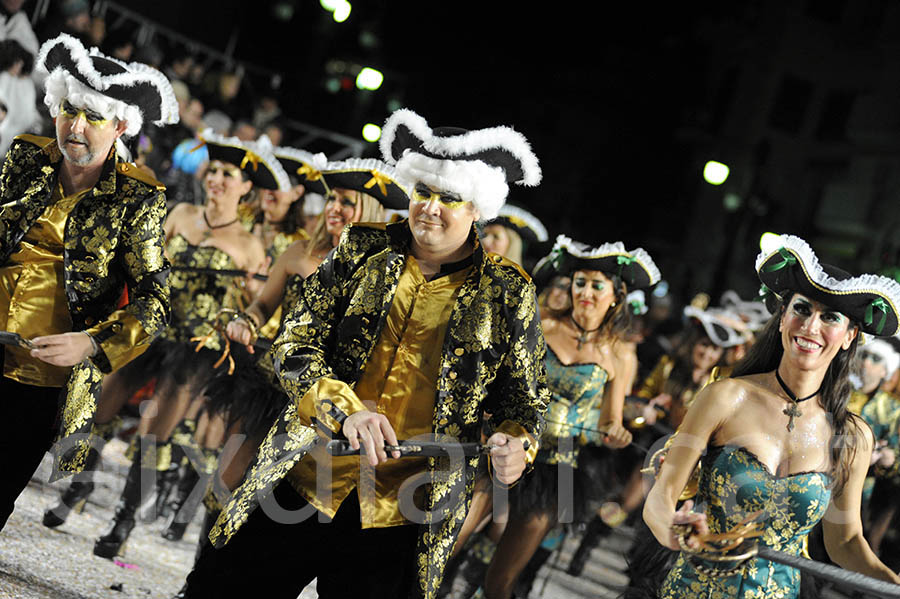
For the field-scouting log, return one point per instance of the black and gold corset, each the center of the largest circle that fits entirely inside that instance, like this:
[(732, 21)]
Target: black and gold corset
[(289, 299), (197, 296)]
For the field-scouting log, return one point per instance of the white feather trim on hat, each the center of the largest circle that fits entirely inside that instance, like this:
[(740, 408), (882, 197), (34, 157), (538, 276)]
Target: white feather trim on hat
[(473, 181), (471, 142), (60, 86), (886, 352), (135, 73)]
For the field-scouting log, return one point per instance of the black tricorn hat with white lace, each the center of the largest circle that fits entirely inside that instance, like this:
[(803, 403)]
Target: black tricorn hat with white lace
[(254, 158), (132, 92), (635, 267), (305, 166), (528, 227), (869, 300), (477, 165), (370, 176)]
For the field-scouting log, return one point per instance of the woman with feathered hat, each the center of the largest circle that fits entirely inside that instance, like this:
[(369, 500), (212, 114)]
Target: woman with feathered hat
[(781, 447)]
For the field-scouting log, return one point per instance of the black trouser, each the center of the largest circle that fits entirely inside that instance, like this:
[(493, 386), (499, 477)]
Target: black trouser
[(267, 558), (29, 416)]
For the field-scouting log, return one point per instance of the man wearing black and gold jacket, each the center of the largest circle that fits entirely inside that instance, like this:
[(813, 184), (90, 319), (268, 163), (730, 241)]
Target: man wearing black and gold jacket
[(406, 331), (77, 225)]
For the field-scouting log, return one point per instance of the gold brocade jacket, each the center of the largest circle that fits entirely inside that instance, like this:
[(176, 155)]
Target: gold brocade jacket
[(492, 361), (113, 237)]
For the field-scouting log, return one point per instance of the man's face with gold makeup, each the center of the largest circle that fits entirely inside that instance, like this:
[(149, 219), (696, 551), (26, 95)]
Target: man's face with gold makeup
[(440, 221), (84, 136)]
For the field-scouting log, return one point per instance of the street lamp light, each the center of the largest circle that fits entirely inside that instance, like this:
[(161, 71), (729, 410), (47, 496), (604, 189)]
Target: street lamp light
[(715, 173)]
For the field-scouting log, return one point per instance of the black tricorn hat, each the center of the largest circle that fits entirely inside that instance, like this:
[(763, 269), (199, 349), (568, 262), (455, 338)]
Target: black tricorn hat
[(635, 267), (529, 228), (255, 159), (370, 176), (870, 300), (134, 84), (306, 166)]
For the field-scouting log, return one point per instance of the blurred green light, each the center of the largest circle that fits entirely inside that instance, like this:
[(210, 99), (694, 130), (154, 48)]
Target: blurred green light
[(371, 133), (715, 173), (769, 242), (369, 78), (329, 5), (342, 10), (333, 85)]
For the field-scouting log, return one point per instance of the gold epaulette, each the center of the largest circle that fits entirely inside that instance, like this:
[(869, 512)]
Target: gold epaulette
[(379, 225), (129, 169), (38, 140), (504, 261)]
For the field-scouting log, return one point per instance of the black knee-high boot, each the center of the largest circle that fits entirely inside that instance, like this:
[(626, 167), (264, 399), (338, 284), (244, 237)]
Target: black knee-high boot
[(184, 504), (596, 530), (139, 486)]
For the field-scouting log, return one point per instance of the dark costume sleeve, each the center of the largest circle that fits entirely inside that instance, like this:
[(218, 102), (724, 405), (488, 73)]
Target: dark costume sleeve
[(127, 332), (301, 350), (519, 396)]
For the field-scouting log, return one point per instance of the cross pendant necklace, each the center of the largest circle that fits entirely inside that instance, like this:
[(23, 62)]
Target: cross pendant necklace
[(792, 410), (582, 336)]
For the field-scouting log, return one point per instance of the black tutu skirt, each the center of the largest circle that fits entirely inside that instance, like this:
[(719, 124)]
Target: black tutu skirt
[(174, 364), (247, 398), (539, 492)]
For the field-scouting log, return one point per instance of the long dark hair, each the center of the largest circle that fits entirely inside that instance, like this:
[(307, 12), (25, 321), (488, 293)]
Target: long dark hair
[(765, 356)]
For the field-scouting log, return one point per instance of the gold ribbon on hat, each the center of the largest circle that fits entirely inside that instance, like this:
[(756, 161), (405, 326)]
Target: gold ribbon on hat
[(252, 158), (197, 147), (310, 173), (379, 179)]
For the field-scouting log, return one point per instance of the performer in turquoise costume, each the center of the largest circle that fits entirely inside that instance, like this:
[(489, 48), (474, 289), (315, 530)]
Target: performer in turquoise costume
[(780, 445), (589, 371)]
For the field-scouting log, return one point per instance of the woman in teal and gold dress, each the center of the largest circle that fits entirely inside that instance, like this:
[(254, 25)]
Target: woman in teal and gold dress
[(776, 443), (589, 371)]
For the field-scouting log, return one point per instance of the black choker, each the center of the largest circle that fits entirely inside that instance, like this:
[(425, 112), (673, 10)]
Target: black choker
[(582, 338), (231, 222), (792, 410)]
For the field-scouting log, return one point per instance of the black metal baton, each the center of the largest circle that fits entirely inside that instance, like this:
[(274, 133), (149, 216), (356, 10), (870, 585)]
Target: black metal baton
[(414, 449)]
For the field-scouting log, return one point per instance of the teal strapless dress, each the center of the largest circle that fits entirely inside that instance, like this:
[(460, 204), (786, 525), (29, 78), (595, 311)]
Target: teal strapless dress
[(733, 485), (576, 394)]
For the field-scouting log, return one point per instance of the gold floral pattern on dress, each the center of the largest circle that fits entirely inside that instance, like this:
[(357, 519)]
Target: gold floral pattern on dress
[(113, 238), (492, 361), (198, 296), (733, 485), (574, 410)]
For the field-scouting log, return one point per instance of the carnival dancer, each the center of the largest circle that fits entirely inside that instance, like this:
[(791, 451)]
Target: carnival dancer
[(780, 446), (667, 392), (413, 319), (78, 224), (251, 399), (512, 233), (208, 247), (203, 431), (882, 412)]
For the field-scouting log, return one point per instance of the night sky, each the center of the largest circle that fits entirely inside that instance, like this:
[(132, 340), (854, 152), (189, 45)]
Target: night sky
[(598, 90)]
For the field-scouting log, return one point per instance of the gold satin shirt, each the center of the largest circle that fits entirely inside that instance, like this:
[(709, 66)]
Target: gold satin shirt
[(399, 381), (33, 295)]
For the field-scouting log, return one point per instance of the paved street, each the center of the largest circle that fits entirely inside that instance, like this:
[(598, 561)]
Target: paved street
[(41, 563)]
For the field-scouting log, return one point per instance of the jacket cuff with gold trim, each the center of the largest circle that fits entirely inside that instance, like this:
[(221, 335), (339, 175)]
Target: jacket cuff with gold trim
[(514, 429), (329, 402), (121, 338)]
